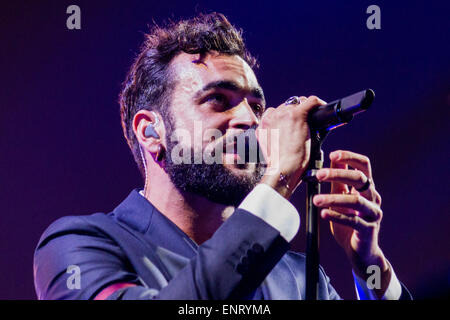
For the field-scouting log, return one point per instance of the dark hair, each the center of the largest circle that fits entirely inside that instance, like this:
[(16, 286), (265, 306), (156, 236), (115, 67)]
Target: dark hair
[(149, 83)]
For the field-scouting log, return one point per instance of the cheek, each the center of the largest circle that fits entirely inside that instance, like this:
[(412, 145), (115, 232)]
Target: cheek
[(201, 121), (199, 132)]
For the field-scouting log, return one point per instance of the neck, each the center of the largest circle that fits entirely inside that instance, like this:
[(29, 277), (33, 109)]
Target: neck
[(198, 217)]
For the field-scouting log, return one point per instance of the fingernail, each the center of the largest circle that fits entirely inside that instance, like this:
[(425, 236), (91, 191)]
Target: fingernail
[(318, 200), (321, 174), (335, 156)]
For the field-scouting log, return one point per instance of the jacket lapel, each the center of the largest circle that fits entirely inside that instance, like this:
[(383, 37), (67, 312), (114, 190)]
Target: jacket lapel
[(166, 249)]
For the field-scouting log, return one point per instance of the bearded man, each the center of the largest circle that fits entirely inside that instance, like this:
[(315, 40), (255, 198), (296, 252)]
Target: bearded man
[(220, 230)]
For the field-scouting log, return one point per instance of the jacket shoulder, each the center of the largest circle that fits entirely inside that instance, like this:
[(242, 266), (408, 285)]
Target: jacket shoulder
[(82, 245), (77, 225)]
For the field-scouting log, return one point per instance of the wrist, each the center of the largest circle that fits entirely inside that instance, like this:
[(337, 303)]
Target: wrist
[(280, 182), (360, 265), (377, 282)]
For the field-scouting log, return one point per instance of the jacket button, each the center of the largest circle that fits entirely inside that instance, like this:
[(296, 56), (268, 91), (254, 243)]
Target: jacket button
[(257, 248), (245, 261)]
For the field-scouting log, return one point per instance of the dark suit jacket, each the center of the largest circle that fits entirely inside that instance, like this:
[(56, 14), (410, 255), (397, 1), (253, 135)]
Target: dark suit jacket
[(245, 259)]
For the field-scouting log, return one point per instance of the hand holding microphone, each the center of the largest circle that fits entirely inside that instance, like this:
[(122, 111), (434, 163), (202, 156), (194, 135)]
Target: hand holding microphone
[(294, 119), (287, 158)]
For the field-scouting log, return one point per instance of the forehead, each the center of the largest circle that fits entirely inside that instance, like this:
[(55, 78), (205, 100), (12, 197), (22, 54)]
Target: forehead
[(193, 71)]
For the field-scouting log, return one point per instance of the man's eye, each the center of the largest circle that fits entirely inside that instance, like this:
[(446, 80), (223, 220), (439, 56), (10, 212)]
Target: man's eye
[(258, 109), (217, 98)]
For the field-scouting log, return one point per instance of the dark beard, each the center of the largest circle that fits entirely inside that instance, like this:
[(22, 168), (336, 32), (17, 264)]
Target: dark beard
[(214, 181)]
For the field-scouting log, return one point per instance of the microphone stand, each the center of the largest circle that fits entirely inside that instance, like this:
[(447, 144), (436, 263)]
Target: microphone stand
[(312, 215), (324, 119)]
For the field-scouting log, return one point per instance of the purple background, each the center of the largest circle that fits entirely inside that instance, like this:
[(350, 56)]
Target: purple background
[(62, 150)]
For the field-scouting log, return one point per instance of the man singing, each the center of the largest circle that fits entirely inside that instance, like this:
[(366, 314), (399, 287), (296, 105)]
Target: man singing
[(221, 230)]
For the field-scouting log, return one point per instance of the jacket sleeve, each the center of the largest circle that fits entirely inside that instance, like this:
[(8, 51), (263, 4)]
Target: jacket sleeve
[(232, 264), (75, 260)]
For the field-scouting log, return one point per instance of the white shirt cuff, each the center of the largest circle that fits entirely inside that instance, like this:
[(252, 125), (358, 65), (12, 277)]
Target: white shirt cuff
[(393, 292), (267, 204)]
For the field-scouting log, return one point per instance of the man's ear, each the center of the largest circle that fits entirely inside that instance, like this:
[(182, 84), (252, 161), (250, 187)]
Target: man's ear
[(149, 128)]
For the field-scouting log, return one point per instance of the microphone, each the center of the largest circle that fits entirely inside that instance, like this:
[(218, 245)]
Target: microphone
[(340, 112), (323, 118)]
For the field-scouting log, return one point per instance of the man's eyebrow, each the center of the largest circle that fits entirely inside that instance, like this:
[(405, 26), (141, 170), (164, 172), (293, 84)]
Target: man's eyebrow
[(256, 92)]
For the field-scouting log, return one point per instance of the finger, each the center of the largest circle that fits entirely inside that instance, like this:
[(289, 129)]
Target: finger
[(355, 160), (371, 194), (354, 178), (368, 210), (291, 104), (343, 210), (337, 187), (268, 111), (310, 103), (354, 222), (302, 99)]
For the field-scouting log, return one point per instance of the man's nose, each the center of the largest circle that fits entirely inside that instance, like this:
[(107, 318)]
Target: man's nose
[(244, 117)]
